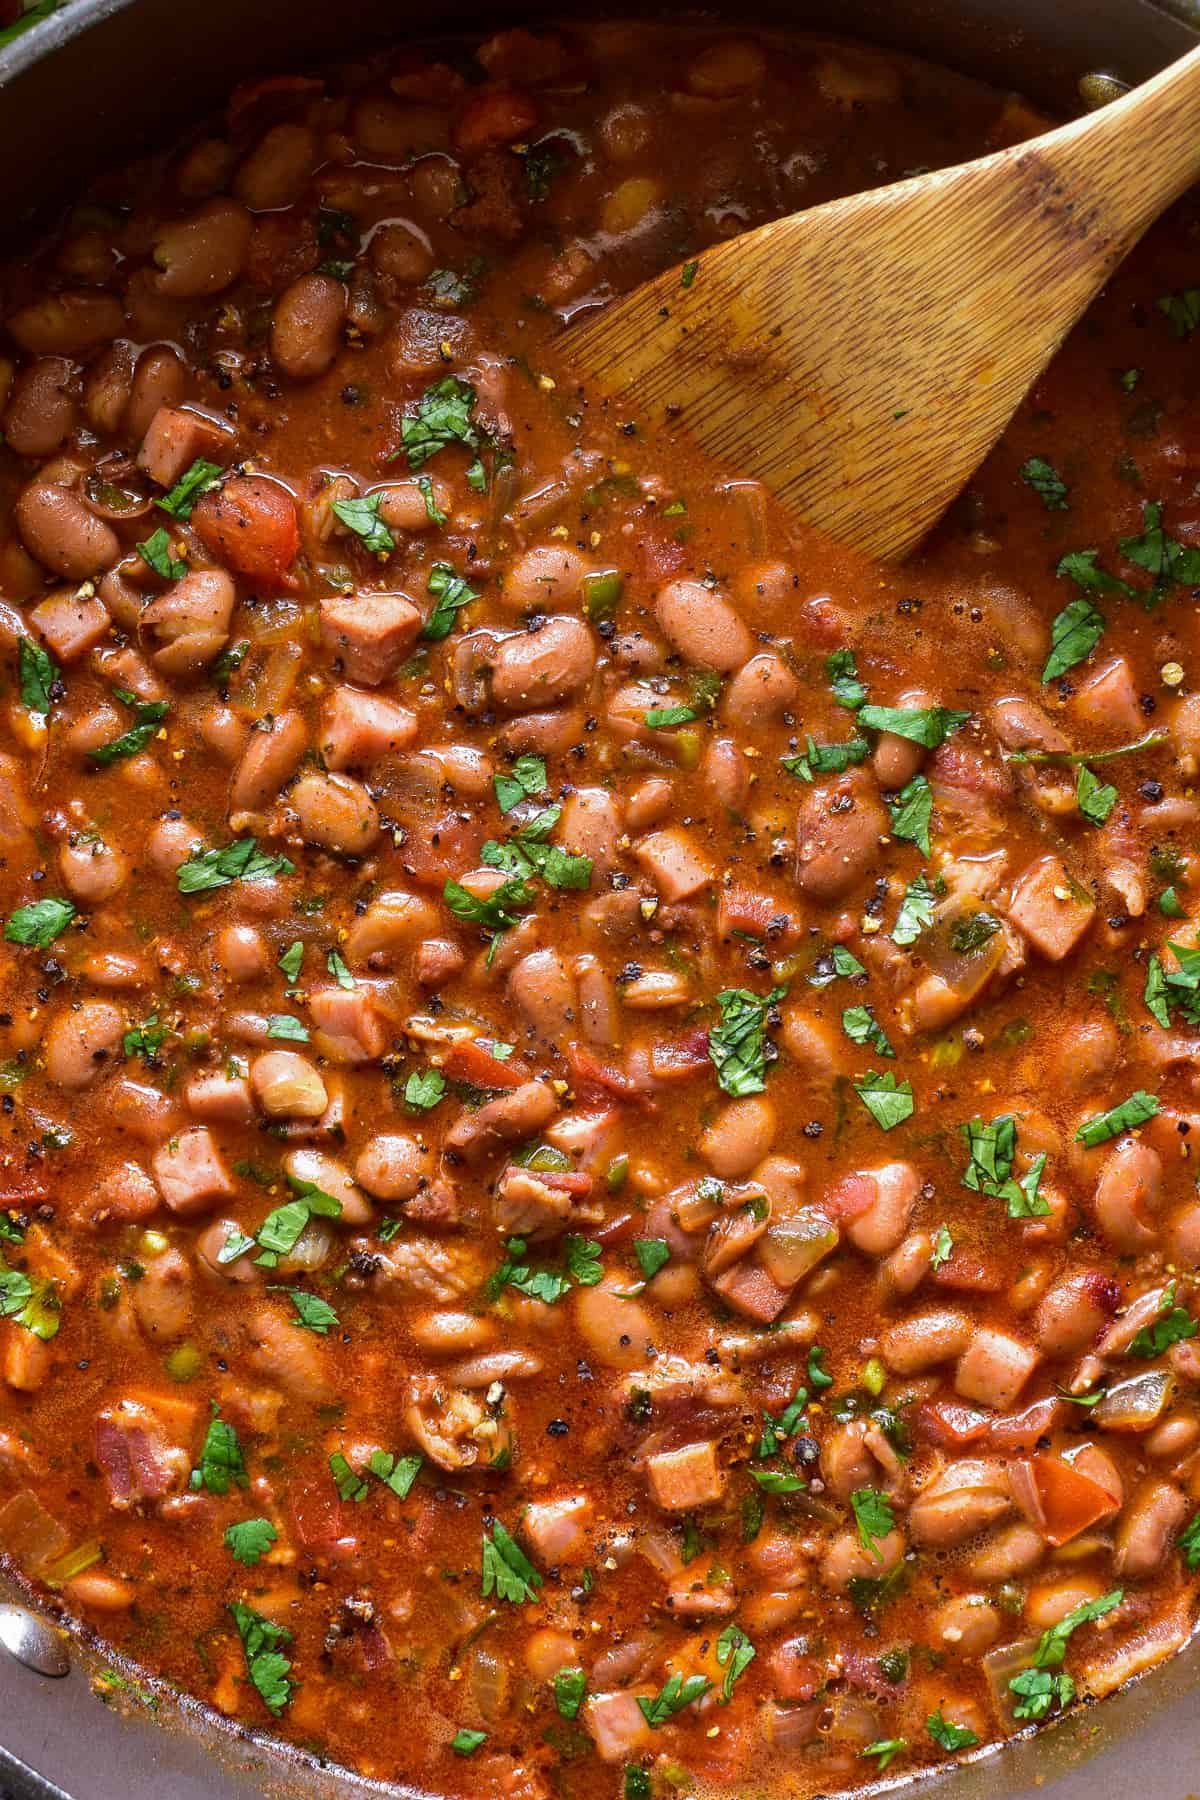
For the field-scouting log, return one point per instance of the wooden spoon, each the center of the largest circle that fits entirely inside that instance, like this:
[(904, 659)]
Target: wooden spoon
[(861, 359)]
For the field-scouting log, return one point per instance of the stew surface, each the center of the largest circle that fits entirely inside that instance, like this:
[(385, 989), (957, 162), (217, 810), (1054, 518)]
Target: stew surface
[(597, 1094)]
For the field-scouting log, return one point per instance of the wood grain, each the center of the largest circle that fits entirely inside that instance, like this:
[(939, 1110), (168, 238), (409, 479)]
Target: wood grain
[(862, 358)]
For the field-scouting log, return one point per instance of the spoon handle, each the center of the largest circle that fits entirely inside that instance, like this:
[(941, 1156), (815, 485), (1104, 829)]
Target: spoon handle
[(1117, 169)]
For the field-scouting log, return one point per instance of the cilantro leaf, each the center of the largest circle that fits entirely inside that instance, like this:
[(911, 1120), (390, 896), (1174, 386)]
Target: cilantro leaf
[(1081, 568), (1169, 562), (433, 511), (148, 715), (672, 1698), (874, 1518), (1046, 482), (583, 1260), (312, 1314), (336, 965), (263, 1643), (240, 861), (1052, 1645), (507, 1571), (652, 1254), (1135, 1111), (221, 1464), (292, 960), (912, 810), (155, 552), (735, 1653), (916, 912), (948, 1735), (1189, 1542), (424, 1089), (778, 1481), (1037, 1693), (886, 1750), (662, 718), (834, 963), (38, 674), (282, 1025), (570, 1687), (524, 781), (395, 1472), (737, 1047), (888, 1101), (1182, 311), (498, 912), (466, 1741), (1174, 1325), (826, 759), (943, 1244), (249, 1540), (442, 417), (1094, 799), (1074, 634), (39, 923), (200, 479), (451, 593), (842, 670), (862, 1027), (360, 515), (927, 725), (351, 1486)]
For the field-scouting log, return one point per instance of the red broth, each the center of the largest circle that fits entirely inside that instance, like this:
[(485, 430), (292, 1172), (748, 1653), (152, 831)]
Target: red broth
[(597, 1093)]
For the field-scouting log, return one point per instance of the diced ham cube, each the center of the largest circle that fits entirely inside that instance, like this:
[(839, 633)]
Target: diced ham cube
[(535, 1204), (176, 438), (358, 728), (617, 1726), (219, 1096), (1108, 699), (686, 1478), (135, 1453), (191, 1172), (348, 1025), (674, 863), (556, 1529), (371, 633), (751, 1291), (1050, 908), (994, 1368), (70, 624)]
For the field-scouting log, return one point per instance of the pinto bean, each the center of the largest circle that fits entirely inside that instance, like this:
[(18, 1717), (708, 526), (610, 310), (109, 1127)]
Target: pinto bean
[(80, 1041), (106, 389), (1013, 1550), (401, 253), (616, 1330), (329, 1175), (190, 622), (546, 578), (62, 532), (203, 253), (403, 506), (761, 693), (879, 1228), (1128, 1196), (590, 826), (68, 324), (160, 379), (277, 170), (924, 1340), (533, 670), (295, 1361), (847, 1558), (288, 1086), (336, 812), (306, 332), (1147, 1528), (242, 952), (394, 1165), (740, 1136), (838, 828), (270, 757), (964, 1499), (1073, 1313), (702, 626), (965, 1625), (92, 870), (994, 1368), (162, 1299), (170, 842), (543, 988), (42, 409), (896, 759)]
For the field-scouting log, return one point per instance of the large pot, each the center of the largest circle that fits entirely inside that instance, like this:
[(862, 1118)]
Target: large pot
[(95, 83)]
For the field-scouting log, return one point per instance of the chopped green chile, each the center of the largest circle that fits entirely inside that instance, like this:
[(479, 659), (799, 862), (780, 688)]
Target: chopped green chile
[(597, 1095)]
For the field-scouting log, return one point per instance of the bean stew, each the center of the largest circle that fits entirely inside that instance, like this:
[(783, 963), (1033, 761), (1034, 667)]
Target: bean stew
[(597, 1094)]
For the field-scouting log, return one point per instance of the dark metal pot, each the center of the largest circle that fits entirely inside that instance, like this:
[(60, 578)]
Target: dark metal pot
[(97, 82)]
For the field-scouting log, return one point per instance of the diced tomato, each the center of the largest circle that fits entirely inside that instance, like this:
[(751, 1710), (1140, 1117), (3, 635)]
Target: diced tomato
[(594, 1080), (319, 1516), (949, 1425), (501, 115), (742, 910), (658, 555), (1070, 1501), (250, 524), (972, 1274), (680, 1058), (850, 1198), (472, 1062)]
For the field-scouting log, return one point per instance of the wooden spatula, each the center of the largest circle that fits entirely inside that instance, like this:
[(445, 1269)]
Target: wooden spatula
[(862, 358)]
